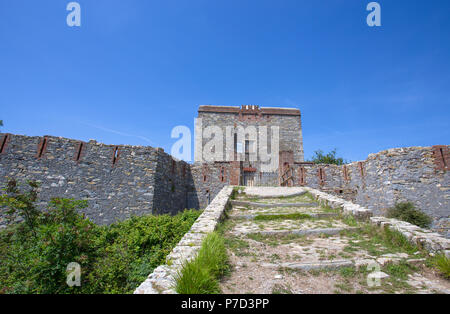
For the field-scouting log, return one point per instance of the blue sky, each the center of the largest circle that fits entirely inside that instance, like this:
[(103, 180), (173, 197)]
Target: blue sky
[(137, 68)]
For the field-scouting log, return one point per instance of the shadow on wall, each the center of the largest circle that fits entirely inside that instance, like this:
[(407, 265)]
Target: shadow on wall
[(174, 186)]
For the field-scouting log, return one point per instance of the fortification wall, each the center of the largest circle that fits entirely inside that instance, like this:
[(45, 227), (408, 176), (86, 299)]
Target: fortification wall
[(121, 181), (415, 174), (118, 181), (208, 179)]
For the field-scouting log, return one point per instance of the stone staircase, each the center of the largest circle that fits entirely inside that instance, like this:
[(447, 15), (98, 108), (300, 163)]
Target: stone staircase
[(281, 240)]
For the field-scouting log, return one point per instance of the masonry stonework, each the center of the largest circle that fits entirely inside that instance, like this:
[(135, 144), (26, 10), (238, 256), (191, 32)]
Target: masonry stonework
[(396, 175), (117, 181), (120, 181)]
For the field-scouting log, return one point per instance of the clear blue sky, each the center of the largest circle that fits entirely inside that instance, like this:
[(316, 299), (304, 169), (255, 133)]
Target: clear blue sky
[(137, 68)]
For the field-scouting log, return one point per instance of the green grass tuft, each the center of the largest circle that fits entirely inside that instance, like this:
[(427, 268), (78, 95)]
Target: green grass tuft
[(442, 263), (201, 275), (350, 221), (295, 216)]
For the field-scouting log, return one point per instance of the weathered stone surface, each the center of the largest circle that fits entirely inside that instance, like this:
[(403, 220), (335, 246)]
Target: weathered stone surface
[(271, 205), (432, 242), (337, 203), (389, 177), (141, 180), (274, 192), (378, 275)]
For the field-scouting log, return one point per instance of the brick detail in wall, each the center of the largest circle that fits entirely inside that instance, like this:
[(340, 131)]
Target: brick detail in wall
[(42, 147), (222, 174), (174, 167), (115, 155), (361, 168), (235, 173), (286, 158), (346, 174), (321, 176), (205, 173), (250, 113), (79, 151), (441, 156), (4, 143), (301, 176)]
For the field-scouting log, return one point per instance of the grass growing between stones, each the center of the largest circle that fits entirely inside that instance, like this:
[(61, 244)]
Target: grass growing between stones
[(275, 240), (378, 241), (237, 245), (201, 275), (281, 289), (294, 216)]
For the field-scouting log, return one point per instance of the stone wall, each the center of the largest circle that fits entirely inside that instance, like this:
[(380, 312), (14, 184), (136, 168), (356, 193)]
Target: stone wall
[(118, 181), (208, 179), (121, 181), (288, 121), (416, 174)]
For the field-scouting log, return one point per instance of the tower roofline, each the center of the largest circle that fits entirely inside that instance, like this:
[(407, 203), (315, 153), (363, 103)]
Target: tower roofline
[(237, 110)]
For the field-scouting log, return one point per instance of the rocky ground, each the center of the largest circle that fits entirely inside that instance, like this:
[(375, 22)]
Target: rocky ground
[(289, 244)]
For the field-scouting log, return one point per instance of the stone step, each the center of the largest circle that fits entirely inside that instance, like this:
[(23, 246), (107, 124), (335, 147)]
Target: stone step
[(336, 264), (300, 232), (274, 192), (267, 205), (311, 215), (311, 266)]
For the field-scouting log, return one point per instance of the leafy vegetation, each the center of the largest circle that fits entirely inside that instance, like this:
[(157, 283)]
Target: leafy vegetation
[(407, 212), (330, 158), (113, 259), (202, 274)]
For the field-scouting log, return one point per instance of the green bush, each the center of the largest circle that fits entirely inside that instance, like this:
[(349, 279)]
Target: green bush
[(330, 158), (407, 212), (130, 250), (201, 275), (113, 259)]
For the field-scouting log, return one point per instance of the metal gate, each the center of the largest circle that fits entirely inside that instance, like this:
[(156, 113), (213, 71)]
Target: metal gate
[(249, 178)]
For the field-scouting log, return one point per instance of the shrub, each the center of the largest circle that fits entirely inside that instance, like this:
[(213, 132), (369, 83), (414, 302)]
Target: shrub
[(329, 158), (57, 238), (407, 212), (21, 203), (132, 249), (113, 259), (201, 275)]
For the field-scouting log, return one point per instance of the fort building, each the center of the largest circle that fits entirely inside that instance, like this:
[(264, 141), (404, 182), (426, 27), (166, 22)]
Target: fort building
[(246, 145), (258, 140)]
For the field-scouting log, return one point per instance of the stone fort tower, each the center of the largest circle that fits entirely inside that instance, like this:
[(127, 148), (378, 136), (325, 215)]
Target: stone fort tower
[(258, 140)]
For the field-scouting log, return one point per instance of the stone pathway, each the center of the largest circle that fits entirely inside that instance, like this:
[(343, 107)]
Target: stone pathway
[(302, 247)]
